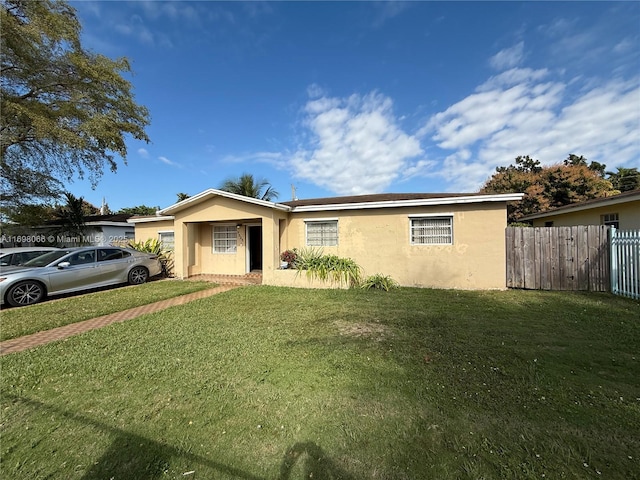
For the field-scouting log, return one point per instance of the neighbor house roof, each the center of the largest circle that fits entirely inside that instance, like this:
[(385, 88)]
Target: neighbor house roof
[(353, 202), (624, 197), (116, 219)]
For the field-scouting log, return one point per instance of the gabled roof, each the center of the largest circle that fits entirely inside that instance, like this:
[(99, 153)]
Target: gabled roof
[(212, 192), (354, 202), (624, 197)]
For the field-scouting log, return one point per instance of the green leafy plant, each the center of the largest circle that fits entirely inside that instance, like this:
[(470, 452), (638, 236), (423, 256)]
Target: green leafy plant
[(156, 247), (379, 282), (328, 267)]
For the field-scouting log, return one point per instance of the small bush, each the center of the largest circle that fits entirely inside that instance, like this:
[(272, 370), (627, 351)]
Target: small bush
[(379, 282), (328, 267), (156, 247)]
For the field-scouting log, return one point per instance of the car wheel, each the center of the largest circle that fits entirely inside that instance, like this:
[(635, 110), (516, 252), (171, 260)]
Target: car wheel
[(138, 275), (25, 293)]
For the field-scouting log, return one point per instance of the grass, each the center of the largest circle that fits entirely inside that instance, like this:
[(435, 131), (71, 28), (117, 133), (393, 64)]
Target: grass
[(274, 383), (16, 322)]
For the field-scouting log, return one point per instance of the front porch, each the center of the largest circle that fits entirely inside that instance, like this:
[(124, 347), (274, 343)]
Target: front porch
[(229, 249)]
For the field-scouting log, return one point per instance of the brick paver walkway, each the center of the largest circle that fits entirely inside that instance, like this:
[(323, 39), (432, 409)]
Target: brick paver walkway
[(29, 341)]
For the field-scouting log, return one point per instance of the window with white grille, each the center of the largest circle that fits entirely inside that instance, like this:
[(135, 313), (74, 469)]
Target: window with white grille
[(432, 231), (322, 233), (167, 239), (225, 239)]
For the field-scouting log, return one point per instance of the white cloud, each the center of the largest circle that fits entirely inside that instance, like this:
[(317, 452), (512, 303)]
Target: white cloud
[(166, 161), (314, 91), (499, 102), (136, 29), (143, 152), (386, 10), (521, 112), (357, 145), (513, 77), (626, 45), (508, 58)]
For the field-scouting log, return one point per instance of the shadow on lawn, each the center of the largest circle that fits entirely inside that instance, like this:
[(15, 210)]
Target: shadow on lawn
[(315, 463), (135, 456)]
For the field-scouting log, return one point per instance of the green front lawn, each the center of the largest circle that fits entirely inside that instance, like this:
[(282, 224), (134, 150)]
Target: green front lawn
[(16, 322), (275, 383)]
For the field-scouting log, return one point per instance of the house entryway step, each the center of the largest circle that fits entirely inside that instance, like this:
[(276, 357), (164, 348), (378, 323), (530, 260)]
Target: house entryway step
[(253, 278)]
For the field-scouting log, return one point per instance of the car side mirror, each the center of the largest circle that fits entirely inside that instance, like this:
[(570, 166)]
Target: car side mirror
[(62, 265)]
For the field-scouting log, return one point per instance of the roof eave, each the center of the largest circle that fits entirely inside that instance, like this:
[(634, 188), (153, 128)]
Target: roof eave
[(424, 202), (157, 218), (580, 207), (107, 224)]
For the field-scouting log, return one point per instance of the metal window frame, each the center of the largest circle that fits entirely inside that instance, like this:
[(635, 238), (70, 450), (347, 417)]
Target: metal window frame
[(438, 216), (161, 232), (317, 221)]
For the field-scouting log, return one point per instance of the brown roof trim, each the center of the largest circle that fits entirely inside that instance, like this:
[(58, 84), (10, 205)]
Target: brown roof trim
[(380, 197), (593, 203), (113, 217)]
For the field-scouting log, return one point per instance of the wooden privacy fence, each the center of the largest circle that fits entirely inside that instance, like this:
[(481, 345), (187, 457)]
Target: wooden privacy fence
[(625, 263), (558, 258)]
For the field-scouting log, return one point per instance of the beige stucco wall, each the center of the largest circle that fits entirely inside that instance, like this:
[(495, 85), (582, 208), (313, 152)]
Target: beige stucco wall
[(379, 241), (147, 230), (628, 214), (296, 279)]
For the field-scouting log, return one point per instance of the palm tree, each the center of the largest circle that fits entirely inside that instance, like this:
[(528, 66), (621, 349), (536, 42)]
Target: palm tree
[(71, 215), (625, 179), (250, 187)]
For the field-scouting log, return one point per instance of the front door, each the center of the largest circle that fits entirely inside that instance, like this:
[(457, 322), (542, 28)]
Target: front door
[(255, 247)]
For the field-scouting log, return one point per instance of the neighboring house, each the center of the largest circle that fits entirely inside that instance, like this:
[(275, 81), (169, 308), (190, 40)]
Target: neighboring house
[(100, 230), (621, 211), (426, 240)]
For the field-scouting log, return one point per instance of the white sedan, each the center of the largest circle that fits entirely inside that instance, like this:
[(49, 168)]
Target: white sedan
[(75, 269)]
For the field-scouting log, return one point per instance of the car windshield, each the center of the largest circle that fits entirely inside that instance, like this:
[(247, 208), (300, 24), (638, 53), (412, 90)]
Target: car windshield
[(46, 259)]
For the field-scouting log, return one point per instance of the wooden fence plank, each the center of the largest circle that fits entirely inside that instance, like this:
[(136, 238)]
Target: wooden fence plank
[(582, 258), (559, 258), (529, 263)]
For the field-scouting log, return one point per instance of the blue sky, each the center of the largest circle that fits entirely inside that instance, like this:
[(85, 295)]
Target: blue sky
[(343, 98)]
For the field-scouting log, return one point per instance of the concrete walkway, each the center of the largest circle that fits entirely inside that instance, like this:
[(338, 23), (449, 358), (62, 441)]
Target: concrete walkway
[(41, 338)]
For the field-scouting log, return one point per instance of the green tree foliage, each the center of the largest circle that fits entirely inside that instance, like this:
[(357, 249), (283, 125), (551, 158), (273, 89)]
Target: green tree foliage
[(64, 110), (182, 196), (15, 219), (71, 216), (548, 187), (248, 186), (139, 210), (625, 179), (33, 215)]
